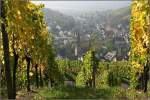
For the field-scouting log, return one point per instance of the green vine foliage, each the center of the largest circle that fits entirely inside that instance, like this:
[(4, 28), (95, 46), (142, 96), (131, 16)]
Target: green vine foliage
[(52, 68), (69, 68), (85, 74), (118, 72), (112, 73)]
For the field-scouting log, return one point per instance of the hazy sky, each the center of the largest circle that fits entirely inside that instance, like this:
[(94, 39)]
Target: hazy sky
[(84, 5)]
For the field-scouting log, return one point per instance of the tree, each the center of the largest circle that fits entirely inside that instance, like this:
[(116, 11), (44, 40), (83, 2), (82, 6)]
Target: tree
[(19, 24), (140, 44), (94, 40), (4, 23), (26, 28), (36, 41), (25, 37)]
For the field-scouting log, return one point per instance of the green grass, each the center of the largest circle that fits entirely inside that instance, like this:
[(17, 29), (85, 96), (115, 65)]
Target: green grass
[(63, 92), (107, 93)]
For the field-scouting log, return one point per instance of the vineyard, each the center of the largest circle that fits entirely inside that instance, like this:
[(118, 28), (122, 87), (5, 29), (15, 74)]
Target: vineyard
[(31, 69)]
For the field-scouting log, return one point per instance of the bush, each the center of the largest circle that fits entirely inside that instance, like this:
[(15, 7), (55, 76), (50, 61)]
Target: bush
[(113, 73)]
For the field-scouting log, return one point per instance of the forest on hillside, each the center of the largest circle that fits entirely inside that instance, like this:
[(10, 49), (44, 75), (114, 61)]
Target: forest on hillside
[(48, 54)]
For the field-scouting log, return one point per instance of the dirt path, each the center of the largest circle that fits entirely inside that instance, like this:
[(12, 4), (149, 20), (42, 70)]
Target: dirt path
[(22, 95)]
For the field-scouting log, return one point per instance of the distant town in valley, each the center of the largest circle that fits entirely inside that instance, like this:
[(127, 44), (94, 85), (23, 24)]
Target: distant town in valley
[(106, 31)]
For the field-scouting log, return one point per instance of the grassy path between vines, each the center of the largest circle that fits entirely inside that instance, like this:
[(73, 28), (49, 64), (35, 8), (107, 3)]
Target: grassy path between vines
[(107, 93)]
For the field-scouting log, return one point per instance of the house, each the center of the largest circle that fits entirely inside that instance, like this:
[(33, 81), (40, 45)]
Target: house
[(110, 56)]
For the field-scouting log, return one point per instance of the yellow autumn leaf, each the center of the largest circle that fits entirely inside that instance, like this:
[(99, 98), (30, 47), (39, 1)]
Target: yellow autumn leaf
[(30, 74), (18, 12)]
